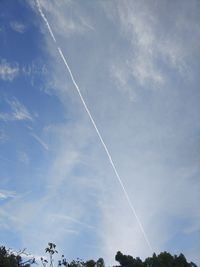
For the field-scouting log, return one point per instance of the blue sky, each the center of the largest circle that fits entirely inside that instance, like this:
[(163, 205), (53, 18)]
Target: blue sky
[(137, 66)]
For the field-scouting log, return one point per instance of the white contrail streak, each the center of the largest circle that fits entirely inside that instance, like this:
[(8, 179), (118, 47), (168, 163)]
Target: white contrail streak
[(95, 126)]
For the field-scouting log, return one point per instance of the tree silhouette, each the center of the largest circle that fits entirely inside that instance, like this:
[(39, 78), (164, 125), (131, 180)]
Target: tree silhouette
[(164, 259), (9, 258)]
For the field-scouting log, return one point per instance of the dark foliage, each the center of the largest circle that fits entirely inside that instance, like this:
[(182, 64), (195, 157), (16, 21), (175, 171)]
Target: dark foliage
[(9, 259), (164, 259)]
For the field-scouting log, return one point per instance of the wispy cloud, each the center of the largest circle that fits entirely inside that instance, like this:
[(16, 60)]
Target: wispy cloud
[(40, 141), (8, 71), (68, 24), (79, 182), (73, 220), (154, 46), (18, 112), (3, 136), (11, 70), (18, 26), (4, 194)]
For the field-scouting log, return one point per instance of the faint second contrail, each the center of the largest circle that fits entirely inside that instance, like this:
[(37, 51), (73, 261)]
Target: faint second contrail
[(95, 126)]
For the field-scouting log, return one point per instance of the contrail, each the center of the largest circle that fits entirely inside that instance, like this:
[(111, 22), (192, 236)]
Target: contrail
[(95, 127)]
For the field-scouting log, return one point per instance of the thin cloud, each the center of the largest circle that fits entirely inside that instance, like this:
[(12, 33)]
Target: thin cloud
[(132, 139), (71, 231), (40, 141), (5, 194), (8, 71), (18, 26), (3, 137), (143, 24), (18, 112), (76, 24), (73, 220), (11, 70)]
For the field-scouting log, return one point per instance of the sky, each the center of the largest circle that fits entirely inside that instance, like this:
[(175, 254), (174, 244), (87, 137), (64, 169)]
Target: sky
[(136, 64)]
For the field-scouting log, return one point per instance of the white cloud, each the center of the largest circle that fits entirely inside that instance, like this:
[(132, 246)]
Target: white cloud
[(18, 112), (143, 141), (8, 71), (4, 194), (64, 217), (120, 75), (63, 205), (40, 141), (18, 26), (155, 46), (66, 24)]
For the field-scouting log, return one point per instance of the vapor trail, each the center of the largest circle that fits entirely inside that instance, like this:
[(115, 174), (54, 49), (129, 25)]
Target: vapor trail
[(95, 127)]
